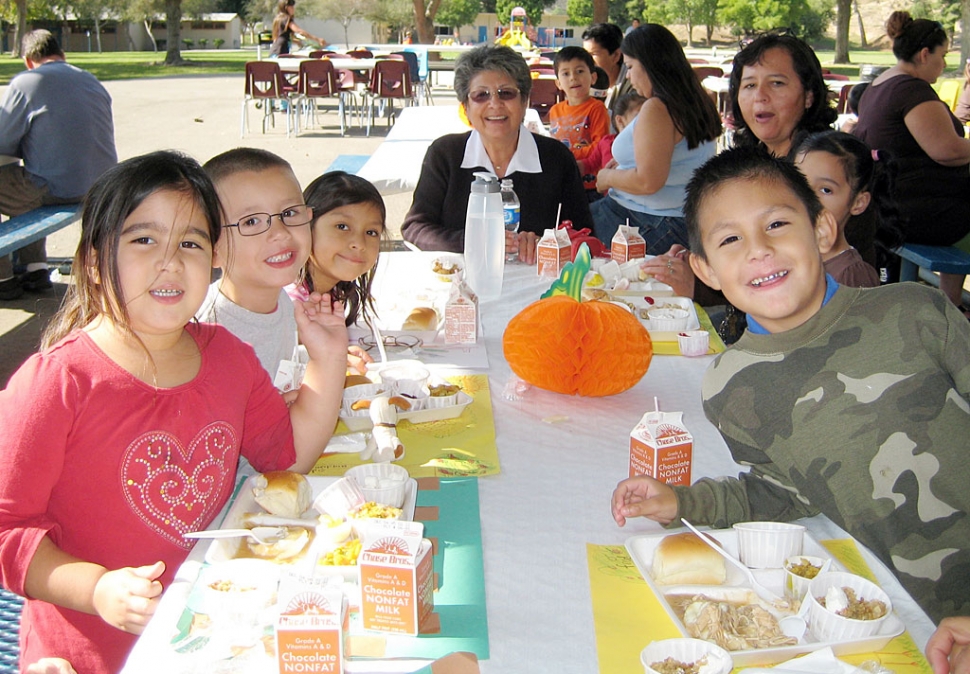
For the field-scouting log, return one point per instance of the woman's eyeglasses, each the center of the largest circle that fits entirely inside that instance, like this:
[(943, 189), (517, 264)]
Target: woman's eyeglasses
[(257, 223), (485, 95), (390, 342)]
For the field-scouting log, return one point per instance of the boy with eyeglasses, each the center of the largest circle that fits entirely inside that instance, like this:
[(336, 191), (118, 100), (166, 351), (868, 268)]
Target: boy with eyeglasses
[(265, 242)]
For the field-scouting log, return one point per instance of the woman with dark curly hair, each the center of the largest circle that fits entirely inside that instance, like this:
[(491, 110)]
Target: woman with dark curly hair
[(901, 113), (778, 94), (655, 155)]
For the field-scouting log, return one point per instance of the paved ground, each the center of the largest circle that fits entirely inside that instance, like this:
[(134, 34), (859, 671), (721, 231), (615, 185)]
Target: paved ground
[(200, 116)]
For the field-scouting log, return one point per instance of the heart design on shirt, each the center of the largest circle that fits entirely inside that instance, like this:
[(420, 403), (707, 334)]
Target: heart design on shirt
[(174, 489)]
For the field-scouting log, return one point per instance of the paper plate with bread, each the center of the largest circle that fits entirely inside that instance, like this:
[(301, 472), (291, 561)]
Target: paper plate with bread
[(709, 599), (417, 395), (313, 536)]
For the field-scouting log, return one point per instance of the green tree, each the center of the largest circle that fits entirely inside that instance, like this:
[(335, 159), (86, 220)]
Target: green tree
[(424, 17), (343, 11), (394, 17), (458, 13), (533, 9), (173, 32), (810, 18), (580, 12), (143, 12)]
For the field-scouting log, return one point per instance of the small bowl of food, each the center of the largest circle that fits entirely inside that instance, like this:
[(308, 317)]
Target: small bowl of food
[(383, 483), (668, 319), (356, 399), (685, 656), (845, 606), (339, 499), (234, 592), (693, 343), (443, 394), (800, 571), (766, 545), (447, 267), (404, 377)]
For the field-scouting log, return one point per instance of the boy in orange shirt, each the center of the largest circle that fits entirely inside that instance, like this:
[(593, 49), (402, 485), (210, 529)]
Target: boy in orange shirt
[(581, 120)]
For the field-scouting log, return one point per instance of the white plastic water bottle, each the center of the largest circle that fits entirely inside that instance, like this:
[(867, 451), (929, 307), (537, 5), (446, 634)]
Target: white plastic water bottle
[(512, 212), (485, 238)]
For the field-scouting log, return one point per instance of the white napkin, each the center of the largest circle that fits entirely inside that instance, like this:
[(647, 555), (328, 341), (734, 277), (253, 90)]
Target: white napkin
[(820, 662)]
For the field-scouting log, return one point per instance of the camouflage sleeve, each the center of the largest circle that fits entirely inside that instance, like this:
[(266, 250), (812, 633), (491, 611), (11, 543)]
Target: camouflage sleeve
[(956, 349)]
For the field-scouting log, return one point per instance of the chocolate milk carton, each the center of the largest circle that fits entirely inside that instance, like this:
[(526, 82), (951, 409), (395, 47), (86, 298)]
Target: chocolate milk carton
[(461, 315), (627, 244), (553, 251), (661, 447), (312, 625), (396, 576)]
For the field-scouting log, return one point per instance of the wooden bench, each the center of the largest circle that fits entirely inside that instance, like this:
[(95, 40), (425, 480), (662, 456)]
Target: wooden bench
[(943, 259), (28, 227)]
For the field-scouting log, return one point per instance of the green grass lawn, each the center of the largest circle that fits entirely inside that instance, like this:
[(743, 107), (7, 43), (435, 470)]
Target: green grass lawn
[(127, 65), (135, 65)]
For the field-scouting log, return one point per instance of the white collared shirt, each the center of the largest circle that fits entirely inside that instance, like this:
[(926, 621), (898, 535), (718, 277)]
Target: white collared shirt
[(525, 159)]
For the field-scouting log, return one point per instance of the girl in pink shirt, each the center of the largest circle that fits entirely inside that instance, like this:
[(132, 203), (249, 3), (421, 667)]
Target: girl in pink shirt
[(123, 433)]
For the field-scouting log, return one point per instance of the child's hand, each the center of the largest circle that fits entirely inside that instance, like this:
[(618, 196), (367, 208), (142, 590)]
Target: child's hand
[(357, 359), (643, 496), (948, 650), (320, 324), (127, 598), (50, 666), (673, 269)]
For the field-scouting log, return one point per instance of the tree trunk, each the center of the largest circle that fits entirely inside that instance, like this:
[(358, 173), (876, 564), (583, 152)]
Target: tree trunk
[(709, 32), (965, 39), (173, 32), (423, 24), (601, 11), (862, 26), (148, 29), (843, 16), (97, 32), (690, 33), (18, 36)]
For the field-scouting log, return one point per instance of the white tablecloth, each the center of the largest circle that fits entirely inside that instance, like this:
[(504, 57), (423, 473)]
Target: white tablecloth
[(396, 164), (551, 498)]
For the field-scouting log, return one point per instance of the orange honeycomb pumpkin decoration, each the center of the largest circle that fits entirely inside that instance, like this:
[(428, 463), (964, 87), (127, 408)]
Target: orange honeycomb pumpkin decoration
[(589, 348)]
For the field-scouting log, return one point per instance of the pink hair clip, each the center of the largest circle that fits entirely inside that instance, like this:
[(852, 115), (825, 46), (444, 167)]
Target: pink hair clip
[(875, 155)]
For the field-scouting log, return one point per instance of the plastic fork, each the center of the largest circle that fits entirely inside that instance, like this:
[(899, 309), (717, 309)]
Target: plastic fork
[(758, 588), (262, 535)]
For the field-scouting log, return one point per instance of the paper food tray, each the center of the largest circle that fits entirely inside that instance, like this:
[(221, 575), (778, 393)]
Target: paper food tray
[(362, 421), (648, 287), (641, 549), (641, 302), (224, 549)]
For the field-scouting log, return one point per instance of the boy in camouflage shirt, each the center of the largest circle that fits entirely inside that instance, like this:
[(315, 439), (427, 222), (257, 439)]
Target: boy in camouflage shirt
[(843, 401)]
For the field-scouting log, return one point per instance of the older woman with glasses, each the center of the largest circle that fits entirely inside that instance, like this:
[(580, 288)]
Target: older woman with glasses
[(901, 113), (493, 85)]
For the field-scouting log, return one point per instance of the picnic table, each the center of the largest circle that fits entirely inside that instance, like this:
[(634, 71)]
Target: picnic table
[(545, 514)]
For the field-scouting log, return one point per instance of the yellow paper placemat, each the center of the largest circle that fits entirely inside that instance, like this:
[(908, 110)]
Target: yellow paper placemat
[(627, 615), (463, 446), (672, 348)]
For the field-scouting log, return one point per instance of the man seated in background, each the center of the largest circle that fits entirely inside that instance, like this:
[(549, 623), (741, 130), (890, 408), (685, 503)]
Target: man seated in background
[(57, 119)]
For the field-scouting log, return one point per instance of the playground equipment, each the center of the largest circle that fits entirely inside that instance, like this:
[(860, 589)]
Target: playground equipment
[(516, 35)]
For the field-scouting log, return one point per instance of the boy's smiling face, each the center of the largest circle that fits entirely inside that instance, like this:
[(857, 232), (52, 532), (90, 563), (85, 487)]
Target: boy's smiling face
[(763, 251), (575, 79)]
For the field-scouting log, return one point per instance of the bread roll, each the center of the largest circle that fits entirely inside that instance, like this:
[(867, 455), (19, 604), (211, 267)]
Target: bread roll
[(283, 493), (421, 319), (356, 380), (684, 559)]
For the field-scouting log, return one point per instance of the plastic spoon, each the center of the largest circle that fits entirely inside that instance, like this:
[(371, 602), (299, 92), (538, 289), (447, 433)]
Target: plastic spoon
[(262, 535), (758, 588)]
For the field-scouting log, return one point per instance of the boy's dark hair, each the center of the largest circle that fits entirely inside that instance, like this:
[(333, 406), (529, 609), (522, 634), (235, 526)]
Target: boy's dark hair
[(607, 35), (627, 102), (242, 159), (40, 44), (572, 53), (855, 95), (743, 164)]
